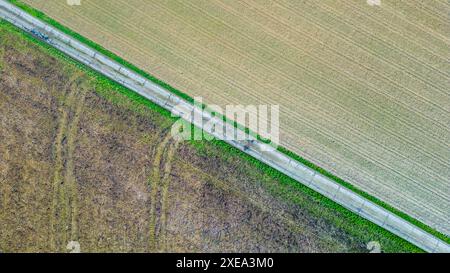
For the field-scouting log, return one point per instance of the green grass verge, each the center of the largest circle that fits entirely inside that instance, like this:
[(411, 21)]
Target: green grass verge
[(40, 15), (287, 188)]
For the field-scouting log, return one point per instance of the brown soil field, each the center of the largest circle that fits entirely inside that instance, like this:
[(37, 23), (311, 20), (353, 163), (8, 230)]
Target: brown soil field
[(363, 90), (81, 161)]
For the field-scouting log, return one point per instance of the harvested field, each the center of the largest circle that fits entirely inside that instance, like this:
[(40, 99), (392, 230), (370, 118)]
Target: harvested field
[(83, 160), (363, 90)]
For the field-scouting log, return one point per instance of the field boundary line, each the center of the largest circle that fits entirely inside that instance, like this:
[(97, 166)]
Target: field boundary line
[(274, 158)]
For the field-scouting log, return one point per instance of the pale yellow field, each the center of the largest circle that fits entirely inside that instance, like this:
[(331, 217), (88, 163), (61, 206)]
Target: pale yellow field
[(363, 90)]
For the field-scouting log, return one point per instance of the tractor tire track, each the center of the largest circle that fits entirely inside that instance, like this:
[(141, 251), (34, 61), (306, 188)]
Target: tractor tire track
[(64, 200), (70, 169), (157, 181), (165, 183)]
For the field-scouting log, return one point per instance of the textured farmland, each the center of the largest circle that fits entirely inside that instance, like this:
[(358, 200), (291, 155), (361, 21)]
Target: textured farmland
[(363, 90), (84, 160)]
